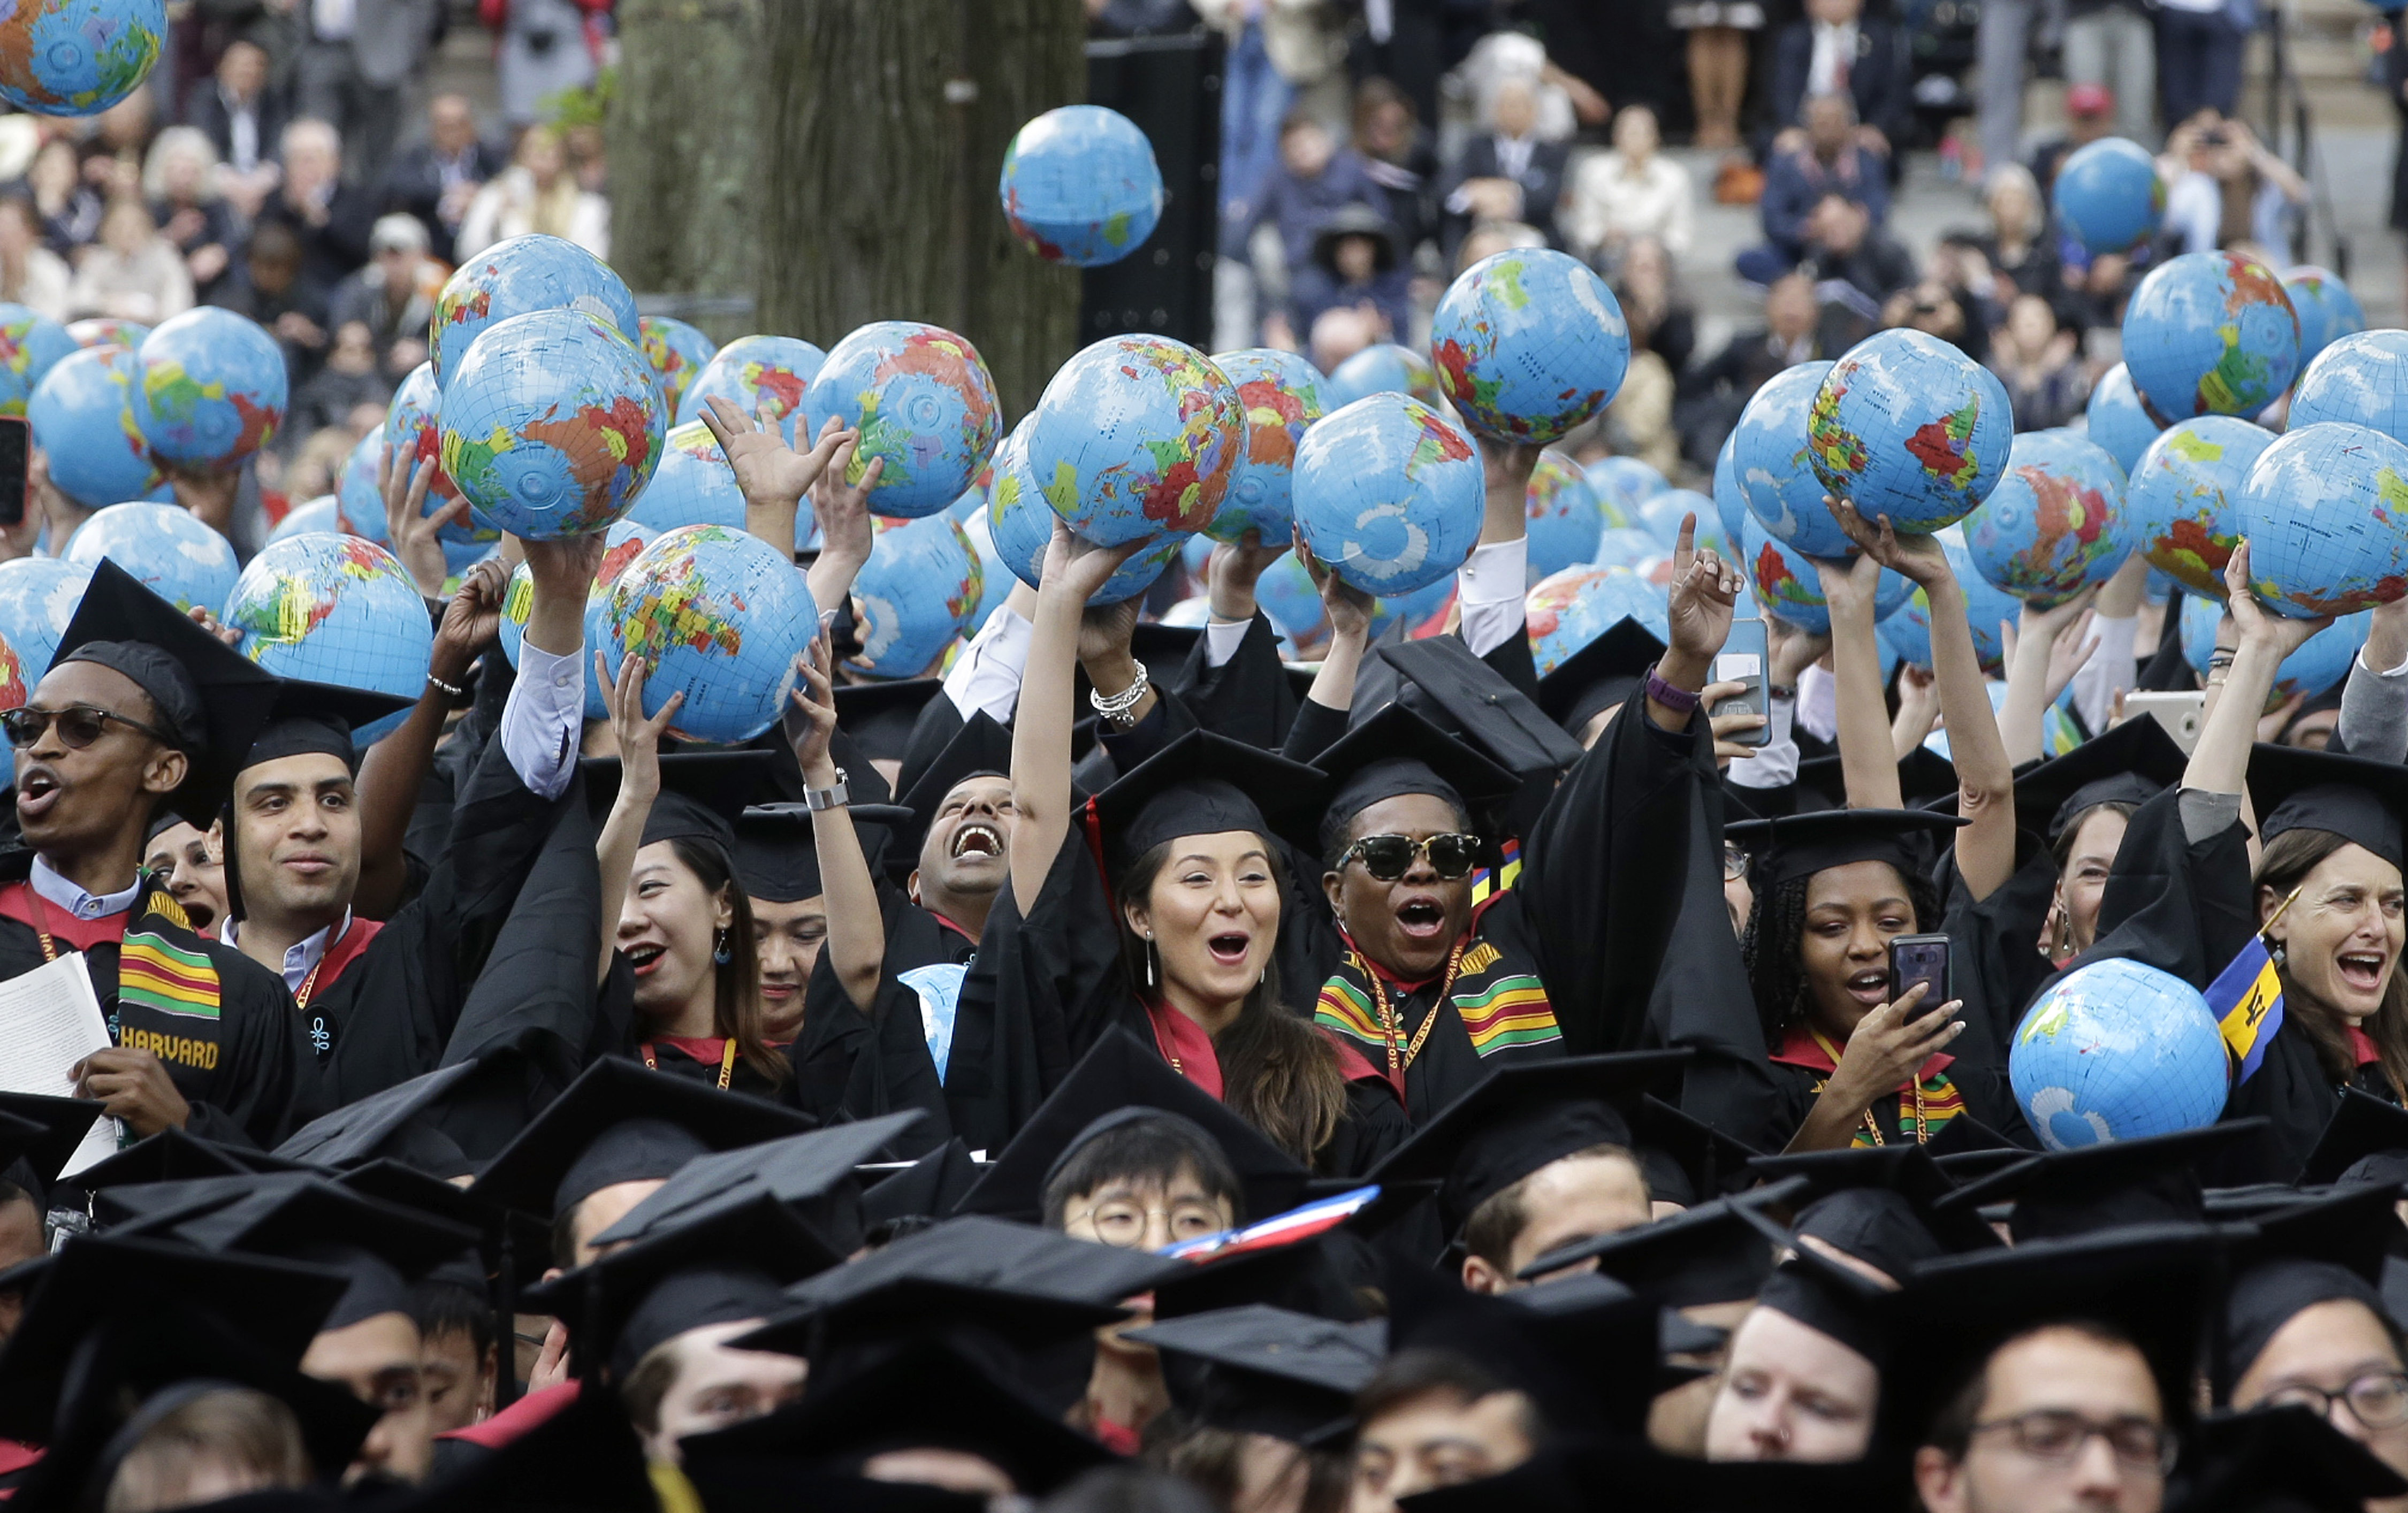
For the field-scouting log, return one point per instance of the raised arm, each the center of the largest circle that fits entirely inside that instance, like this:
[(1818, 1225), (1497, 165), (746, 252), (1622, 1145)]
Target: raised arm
[(773, 475), (2050, 646), (1350, 632), (1868, 767), (2237, 690), (1492, 586), (856, 925), (640, 783)]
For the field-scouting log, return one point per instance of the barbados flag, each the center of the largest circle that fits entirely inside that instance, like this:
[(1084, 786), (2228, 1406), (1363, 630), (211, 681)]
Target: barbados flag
[(2247, 999)]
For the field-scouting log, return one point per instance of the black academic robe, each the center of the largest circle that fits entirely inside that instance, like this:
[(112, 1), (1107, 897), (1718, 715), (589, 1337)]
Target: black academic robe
[(851, 1065), (388, 1014), (222, 1023)]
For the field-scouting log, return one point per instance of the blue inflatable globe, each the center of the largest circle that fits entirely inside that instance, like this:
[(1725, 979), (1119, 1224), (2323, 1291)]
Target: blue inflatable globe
[(1286, 594), (695, 486), (2321, 509), (2056, 522), (1281, 396), (309, 518), (1730, 499), (2118, 420), (764, 376), (78, 57), (719, 616), (995, 580), (414, 429), (1080, 186), (1567, 610), (1909, 629), (358, 501), (552, 424), (1388, 494), (2319, 664), (922, 401), (37, 597), (1020, 523), (1660, 518), (1623, 483), (916, 593), (1530, 344), (82, 416), (1383, 368), (2182, 500), (2361, 379), (2211, 333), (1770, 458), (620, 545), (677, 352), (31, 344), (1789, 587), (1626, 547), (1422, 612), (334, 609), (1564, 517), (2117, 1050), (2328, 311), (519, 276), (176, 556), (211, 387), (1134, 436), (2108, 195), (1906, 426)]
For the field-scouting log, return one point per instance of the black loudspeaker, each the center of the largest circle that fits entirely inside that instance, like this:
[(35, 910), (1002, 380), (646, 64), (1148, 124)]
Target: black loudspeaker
[(1170, 86)]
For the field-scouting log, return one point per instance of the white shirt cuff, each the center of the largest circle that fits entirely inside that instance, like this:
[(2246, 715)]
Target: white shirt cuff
[(986, 677), (1818, 704), (1774, 764), (1222, 639), (541, 720), (2395, 673), (1490, 589)]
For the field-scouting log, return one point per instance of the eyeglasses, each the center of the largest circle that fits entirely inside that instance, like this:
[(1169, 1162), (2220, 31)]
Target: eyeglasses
[(2378, 1400), (80, 725), (1734, 862), (2056, 1437), (1121, 1222), (1387, 858)]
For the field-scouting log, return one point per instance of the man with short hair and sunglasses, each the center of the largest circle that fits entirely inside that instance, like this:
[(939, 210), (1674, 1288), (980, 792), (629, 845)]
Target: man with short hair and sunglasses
[(2063, 1418), (142, 711)]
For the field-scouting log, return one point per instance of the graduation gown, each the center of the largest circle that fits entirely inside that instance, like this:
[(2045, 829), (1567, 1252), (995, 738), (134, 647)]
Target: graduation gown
[(222, 1023), (849, 1064)]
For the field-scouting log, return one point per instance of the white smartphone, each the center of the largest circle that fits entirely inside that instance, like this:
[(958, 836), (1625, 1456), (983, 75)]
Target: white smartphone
[(2179, 712)]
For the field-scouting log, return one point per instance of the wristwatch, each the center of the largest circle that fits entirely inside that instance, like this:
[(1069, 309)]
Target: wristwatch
[(837, 797)]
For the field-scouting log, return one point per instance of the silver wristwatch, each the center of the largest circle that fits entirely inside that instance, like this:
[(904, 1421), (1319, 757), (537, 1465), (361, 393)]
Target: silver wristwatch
[(816, 799)]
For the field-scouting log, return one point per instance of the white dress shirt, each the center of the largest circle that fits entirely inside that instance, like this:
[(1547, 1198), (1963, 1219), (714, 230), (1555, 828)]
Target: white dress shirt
[(1491, 588), (543, 717), (1835, 53), (986, 678)]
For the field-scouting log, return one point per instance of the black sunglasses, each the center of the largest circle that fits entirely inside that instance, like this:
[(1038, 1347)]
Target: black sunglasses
[(1387, 858), (80, 725)]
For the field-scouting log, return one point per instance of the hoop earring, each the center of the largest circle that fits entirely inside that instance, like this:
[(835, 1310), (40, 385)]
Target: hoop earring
[(1152, 961), (720, 951)]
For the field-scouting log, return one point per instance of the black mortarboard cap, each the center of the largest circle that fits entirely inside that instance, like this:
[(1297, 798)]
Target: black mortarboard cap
[(1203, 784), (1600, 675), (1587, 1355), (2355, 1227), (701, 792), (2311, 1251), (584, 1458), (2114, 1182), (879, 716), (2279, 1460), (2131, 764), (359, 1131), (1711, 1253), (319, 718), (774, 854), (1832, 1298), (2292, 788), (929, 1188), (1440, 679), (1398, 751), (1123, 1074), (2362, 1126), (1687, 1160), (1798, 846), (209, 697), (1878, 1204), (981, 746), (391, 1182), (44, 1131), (1925, 778), (809, 1173), (173, 1155), (1262, 1370), (1518, 1120), (621, 1122)]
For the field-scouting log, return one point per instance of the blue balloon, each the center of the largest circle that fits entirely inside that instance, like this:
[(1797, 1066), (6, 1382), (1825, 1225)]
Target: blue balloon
[(82, 416), (2316, 666), (1661, 517), (2108, 196), (414, 429), (716, 615), (764, 376), (335, 609), (1285, 592), (2118, 420), (209, 387), (358, 501), (516, 277), (620, 545), (38, 595), (1281, 396), (552, 424), (678, 353), (2056, 522), (1569, 610), (2321, 509), (1730, 500), (1530, 344), (1625, 547), (1135, 435), (1080, 186), (1020, 523), (79, 57), (2211, 333), (31, 344), (2361, 379), (924, 404), (1385, 368), (1564, 516), (1789, 587), (166, 547), (1389, 494), (1907, 427), (2328, 311), (2183, 500), (1909, 629), (695, 486), (1623, 483), (309, 518), (2117, 1050), (917, 593), (1771, 459)]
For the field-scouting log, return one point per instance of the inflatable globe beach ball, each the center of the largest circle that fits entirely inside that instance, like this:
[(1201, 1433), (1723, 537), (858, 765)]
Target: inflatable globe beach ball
[(1908, 630), (82, 416), (719, 616), (334, 609), (1080, 186), (621, 545), (175, 555), (359, 504), (1286, 594), (2117, 1050), (1626, 547), (2328, 311), (1622, 483), (552, 424), (1020, 523), (37, 597), (2211, 333), (2108, 196), (1382, 368), (1787, 585), (1567, 610), (677, 352), (78, 57), (1730, 500), (210, 387), (1661, 517), (2056, 522), (1528, 344), (2315, 667), (2321, 509), (1135, 435), (764, 376), (1906, 426), (1771, 461), (2361, 379), (31, 344), (695, 486), (519, 276), (917, 594), (1564, 517), (1388, 494), (414, 429), (311, 516), (2183, 498), (107, 331), (2117, 420), (924, 403), (1281, 396)]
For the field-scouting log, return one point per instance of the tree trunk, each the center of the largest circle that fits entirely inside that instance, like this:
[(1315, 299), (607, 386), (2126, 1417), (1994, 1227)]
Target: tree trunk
[(687, 152), (879, 194)]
